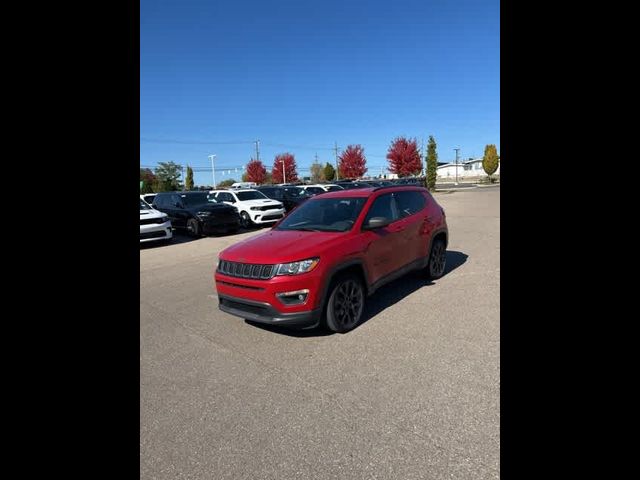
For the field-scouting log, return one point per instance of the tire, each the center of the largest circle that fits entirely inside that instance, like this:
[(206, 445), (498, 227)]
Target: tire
[(346, 304), (437, 260), (245, 220), (193, 227)]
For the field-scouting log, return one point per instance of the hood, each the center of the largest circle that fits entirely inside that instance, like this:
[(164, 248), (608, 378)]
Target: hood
[(261, 202), (151, 214), (282, 246), (210, 207)]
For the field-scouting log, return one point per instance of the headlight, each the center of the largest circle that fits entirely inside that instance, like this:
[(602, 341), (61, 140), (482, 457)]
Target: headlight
[(255, 208), (296, 268), (204, 214), (164, 219)]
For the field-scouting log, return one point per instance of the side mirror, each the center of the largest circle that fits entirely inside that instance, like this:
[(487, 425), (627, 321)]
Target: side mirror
[(376, 222)]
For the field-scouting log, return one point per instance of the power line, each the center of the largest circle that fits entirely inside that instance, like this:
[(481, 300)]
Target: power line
[(195, 142)]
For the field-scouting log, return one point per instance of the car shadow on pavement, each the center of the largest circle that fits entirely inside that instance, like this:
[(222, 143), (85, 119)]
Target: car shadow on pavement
[(386, 296)]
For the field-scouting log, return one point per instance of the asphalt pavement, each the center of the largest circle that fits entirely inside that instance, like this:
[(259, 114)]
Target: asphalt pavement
[(413, 392)]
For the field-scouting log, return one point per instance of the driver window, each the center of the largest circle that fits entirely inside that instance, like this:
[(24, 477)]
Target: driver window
[(383, 206)]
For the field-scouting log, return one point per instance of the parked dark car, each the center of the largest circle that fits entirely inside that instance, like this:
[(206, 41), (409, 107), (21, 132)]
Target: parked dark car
[(291, 197), (197, 213), (355, 184)]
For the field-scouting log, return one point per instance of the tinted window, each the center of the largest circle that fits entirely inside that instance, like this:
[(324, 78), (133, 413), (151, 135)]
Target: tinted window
[(193, 199), (143, 205), (383, 206), (159, 201), (315, 190), (254, 195), (295, 192), (324, 215), (334, 188), (409, 203)]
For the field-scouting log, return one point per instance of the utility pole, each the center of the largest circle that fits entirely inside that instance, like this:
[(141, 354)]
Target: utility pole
[(337, 172), (257, 142), (213, 170), (284, 175), (457, 150), (422, 159)]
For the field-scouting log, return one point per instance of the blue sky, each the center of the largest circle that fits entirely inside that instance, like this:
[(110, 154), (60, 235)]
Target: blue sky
[(301, 75)]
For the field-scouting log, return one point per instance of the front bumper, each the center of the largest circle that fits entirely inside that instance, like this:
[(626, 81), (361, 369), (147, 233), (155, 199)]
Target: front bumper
[(266, 216), (155, 231), (263, 312)]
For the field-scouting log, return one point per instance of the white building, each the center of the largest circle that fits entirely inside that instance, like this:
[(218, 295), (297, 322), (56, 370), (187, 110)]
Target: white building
[(470, 168)]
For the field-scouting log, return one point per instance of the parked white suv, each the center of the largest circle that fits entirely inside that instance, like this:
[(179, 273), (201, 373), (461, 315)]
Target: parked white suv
[(154, 225), (253, 206), (321, 188)]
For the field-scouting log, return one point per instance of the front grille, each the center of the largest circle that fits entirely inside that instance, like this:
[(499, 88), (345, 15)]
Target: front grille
[(256, 309), (151, 221), (272, 217), (270, 207), (157, 234), (246, 270)]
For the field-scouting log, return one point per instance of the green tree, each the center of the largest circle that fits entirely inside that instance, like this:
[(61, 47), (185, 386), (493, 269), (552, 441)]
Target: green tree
[(317, 172), (490, 160), (226, 183), (167, 177), (329, 172), (148, 179), (432, 164), (189, 180)]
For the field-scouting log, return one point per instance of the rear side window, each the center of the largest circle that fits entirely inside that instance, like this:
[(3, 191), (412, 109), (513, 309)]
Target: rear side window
[(383, 206), (409, 203)]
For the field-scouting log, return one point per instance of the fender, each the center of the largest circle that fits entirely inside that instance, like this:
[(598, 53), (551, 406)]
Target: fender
[(335, 270)]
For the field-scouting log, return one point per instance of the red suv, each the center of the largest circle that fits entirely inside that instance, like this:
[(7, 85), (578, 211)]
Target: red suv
[(317, 265)]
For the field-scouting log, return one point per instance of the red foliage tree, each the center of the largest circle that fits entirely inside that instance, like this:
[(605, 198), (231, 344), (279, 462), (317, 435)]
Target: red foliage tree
[(352, 162), (404, 157), (256, 172), (290, 168)]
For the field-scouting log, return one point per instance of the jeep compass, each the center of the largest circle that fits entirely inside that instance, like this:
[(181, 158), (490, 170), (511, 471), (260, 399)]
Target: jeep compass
[(318, 264)]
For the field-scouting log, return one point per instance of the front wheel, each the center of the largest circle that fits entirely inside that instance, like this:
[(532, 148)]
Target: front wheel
[(345, 305), (437, 259), (193, 227), (245, 220)]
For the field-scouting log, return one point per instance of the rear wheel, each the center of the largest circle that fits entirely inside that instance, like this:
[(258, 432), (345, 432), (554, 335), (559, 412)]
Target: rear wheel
[(193, 227), (437, 259), (346, 304)]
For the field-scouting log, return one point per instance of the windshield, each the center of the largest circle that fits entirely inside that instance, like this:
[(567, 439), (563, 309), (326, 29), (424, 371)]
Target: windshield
[(193, 199), (334, 188), (253, 195), (315, 190), (144, 206), (324, 215)]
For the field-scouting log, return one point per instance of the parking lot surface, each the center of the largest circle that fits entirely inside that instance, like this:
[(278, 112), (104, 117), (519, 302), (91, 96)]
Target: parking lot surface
[(413, 392)]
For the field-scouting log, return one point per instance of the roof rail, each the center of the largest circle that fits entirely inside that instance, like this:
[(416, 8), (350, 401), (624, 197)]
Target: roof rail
[(406, 185)]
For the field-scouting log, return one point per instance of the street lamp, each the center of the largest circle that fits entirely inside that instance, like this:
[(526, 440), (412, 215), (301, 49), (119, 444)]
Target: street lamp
[(213, 170), (457, 150)]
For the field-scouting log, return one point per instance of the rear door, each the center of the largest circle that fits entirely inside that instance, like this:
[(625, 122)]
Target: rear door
[(415, 223), (383, 250)]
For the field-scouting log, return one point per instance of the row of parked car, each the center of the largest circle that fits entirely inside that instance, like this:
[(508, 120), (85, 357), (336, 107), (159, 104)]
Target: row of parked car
[(226, 210)]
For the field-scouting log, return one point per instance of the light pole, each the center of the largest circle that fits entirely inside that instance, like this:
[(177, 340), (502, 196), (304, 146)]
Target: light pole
[(213, 170), (457, 150), (284, 176)]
